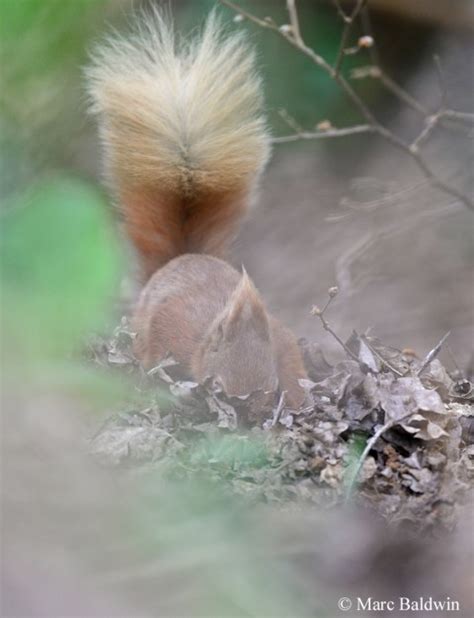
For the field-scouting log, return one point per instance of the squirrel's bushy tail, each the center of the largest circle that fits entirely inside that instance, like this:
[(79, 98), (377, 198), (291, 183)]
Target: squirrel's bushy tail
[(183, 132)]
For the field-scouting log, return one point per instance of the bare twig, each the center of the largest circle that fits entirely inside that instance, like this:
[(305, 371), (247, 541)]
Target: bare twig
[(338, 339), (279, 409), (432, 354), (449, 118), (320, 314), (390, 197), (288, 35), (439, 183), (290, 121), (377, 71), (340, 10), (394, 88), (269, 24), (463, 116), (348, 23), (309, 135), (430, 123), (400, 93), (263, 23), (442, 83), (294, 21), (367, 28)]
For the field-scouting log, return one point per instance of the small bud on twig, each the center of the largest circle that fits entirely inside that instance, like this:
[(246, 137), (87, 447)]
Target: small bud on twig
[(324, 125), (238, 18), (365, 41), (316, 311), (286, 29)]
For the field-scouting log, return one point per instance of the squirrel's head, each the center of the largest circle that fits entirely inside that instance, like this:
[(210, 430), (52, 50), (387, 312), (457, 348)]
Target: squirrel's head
[(237, 351)]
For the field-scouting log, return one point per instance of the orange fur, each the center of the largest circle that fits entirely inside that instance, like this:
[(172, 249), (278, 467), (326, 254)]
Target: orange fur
[(185, 143), (214, 323)]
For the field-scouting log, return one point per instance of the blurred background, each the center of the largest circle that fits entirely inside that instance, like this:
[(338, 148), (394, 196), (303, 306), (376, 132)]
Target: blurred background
[(348, 211)]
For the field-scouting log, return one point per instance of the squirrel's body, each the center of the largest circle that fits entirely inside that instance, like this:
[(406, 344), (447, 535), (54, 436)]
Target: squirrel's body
[(185, 143), (189, 291), (193, 300)]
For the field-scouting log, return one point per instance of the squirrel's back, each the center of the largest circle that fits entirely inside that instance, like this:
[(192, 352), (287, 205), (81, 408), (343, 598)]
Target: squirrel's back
[(183, 133), (214, 322)]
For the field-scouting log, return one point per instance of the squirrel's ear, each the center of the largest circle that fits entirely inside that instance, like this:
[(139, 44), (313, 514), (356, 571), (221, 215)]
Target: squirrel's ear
[(245, 312)]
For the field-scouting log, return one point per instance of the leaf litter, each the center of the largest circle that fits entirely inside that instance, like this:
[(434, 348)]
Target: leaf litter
[(383, 428)]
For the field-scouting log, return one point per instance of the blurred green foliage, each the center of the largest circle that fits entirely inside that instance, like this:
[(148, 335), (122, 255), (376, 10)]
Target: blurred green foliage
[(60, 259), (215, 546), (230, 452), (356, 448), (43, 45), (60, 265), (51, 34)]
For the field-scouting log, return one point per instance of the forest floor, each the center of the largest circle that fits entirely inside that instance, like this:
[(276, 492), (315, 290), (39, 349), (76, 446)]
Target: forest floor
[(382, 427)]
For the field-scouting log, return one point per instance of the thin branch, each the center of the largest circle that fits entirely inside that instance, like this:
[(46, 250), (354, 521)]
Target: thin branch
[(349, 21), (340, 10), (430, 124), (318, 60), (376, 72), (294, 20), (290, 121), (339, 340), (367, 28), (320, 314), (442, 83), (439, 183), (309, 135), (283, 32), (263, 23), (400, 93), (279, 409), (463, 116)]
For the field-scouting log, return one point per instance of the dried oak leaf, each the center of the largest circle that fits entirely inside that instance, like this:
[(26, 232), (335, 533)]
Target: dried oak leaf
[(226, 414), (400, 397), (437, 377), (347, 376), (392, 357), (120, 442)]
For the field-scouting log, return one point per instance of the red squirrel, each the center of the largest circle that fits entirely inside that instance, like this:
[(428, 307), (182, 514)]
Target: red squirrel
[(185, 142)]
